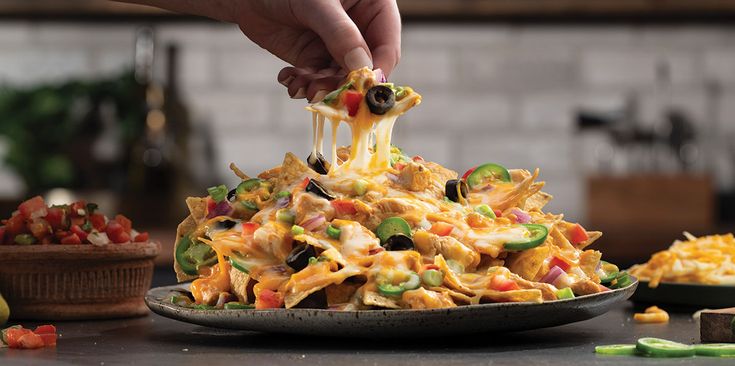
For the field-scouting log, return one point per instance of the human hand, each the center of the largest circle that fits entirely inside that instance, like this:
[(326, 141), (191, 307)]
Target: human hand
[(323, 39)]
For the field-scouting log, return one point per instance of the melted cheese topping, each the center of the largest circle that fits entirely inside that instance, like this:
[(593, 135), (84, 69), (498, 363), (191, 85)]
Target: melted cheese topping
[(469, 255)]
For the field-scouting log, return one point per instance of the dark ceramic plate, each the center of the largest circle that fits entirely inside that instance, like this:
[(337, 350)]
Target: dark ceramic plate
[(686, 294), (496, 317)]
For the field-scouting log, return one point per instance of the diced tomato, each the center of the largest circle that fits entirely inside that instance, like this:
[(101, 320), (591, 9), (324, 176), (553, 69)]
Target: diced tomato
[(399, 165), (2, 234), (497, 212), (77, 220), (78, 208), (71, 239), (578, 234), (56, 217), (352, 100), (61, 233), (500, 283), (30, 341), (33, 208), (118, 237), (417, 158), (15, 225), (13, 336), (39, 228), (441, 228), (114, 228), (79, 232), (98, 221), (49, 340), (559, 262), (344, 207), (125, 222), (141, 237), (45, 329), (431, 266), (211, 205), (248, 228), (467, 173), (268, 299), (304, 183)]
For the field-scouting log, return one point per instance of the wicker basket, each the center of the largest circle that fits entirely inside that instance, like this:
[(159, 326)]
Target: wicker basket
[(73, 282)]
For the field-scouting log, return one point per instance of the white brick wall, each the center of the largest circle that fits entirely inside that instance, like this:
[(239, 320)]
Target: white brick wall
[(505, 93)]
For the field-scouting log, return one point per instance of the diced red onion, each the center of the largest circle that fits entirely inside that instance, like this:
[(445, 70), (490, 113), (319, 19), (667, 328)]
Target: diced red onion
[(552, 275), (523, 217), (283, 202), (379, 75), (98, 239), (221, 209), (564, 280), (313, 222), (392, 177)]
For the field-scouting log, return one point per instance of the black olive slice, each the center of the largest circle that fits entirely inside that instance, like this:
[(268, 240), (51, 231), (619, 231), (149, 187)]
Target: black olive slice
[(298, 259), (317, 300), (226, 224), (318, 163), (318, 189), (398, 242), (456, 190), (380, 99), (231, 195)]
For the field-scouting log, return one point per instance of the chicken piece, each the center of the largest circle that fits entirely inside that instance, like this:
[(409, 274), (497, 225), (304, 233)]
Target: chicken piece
[(440, 173), (239, 284), (388, 207), (585, 287), (307, 205), (414, 177), (429, 245), (423, 299), (588, 261), (548, 292)]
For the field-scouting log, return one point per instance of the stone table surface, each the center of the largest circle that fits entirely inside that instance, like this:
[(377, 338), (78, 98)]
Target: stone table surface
[(154, 340)]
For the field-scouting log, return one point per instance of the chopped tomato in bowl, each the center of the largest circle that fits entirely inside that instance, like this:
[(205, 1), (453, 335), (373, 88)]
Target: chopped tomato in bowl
[(78, 223)]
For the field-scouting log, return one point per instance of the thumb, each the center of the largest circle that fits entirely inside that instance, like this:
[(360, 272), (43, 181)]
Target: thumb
[(339, 34)]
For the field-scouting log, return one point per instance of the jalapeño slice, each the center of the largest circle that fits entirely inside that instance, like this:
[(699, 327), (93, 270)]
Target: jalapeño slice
[(656, 347), (538, 236), (392, 226), (616, 350), (192, 255), (488, 171)]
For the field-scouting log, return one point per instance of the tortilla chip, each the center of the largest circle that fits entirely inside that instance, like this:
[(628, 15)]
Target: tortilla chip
[(531, 295), (342, 293), (593, 236), (451, 279), (293, 297), (239, 281), (458, 297), (537, 201), (527, 263), (292, 170), (198, 212), (373, 298)]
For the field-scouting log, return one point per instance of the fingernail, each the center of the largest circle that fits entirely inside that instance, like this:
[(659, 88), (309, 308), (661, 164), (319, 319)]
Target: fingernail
[(301, 93), (287, 81), (318, 96), (357, 58)]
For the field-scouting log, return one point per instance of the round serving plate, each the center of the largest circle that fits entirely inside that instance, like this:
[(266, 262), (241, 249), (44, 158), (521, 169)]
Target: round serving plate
[(74, 282), (495, 317)]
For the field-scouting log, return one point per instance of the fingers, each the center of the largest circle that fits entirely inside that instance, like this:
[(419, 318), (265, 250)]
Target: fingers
[(310, 84), (339, 33), (381, 24)]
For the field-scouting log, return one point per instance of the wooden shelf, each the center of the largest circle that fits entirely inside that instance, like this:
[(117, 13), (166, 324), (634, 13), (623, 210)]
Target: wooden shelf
[(416, 9)]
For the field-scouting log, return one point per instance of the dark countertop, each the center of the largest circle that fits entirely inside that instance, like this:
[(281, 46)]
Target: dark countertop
[(154, 340)]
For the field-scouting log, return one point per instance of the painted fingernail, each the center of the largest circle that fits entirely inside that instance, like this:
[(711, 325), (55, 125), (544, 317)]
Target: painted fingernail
[(287, 81), (318, 96), (357, 58), (301, 93)]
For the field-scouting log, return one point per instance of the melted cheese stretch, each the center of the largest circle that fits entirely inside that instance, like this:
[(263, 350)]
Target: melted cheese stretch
[(364, 126)]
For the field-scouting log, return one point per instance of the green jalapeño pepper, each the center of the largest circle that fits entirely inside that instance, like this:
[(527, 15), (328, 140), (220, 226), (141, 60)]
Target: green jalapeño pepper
[(656, 347), (248, 185), (616, 350), (413, 282), (609, 272), (192, 255), (392, 226), (715, 349), (538, 236), (485, 172)]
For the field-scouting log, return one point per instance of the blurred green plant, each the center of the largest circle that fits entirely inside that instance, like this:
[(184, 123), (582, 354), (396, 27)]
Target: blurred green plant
[(50, 128)]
